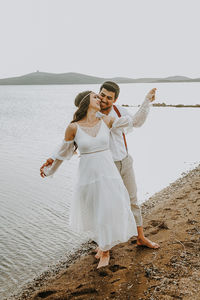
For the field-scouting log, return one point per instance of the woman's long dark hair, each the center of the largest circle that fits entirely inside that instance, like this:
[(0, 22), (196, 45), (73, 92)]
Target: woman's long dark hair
[(82, 100)]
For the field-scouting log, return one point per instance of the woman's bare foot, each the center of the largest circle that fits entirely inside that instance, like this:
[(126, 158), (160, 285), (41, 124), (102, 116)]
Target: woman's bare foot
[(99, 252), (146, 242), (104, 259)]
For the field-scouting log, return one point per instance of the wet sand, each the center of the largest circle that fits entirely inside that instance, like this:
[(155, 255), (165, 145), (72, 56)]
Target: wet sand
[(171, 218)]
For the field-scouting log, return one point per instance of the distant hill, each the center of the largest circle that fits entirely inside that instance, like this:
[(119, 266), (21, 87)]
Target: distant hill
[(37, 78), (51, 78)]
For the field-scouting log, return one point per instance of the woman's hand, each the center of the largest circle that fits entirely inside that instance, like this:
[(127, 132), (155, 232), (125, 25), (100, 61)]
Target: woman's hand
[(46, 164), (151, 95)]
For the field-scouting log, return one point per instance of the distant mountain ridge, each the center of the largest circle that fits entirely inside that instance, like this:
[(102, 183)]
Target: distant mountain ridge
[(43, 78)]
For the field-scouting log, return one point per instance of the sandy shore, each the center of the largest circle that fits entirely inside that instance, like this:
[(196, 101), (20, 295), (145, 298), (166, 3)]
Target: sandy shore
[(171, 218)]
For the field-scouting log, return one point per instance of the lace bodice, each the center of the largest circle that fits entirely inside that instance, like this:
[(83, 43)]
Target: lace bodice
[(92, 131), (88, 143)]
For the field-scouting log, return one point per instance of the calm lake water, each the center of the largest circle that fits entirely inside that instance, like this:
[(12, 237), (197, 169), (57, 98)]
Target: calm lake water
[(34, 211)]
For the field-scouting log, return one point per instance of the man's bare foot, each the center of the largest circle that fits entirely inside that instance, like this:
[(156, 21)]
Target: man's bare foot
[(146, 242), (104, 259)]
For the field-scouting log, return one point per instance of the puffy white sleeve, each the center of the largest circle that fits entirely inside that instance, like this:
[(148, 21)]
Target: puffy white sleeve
[(63, 152)]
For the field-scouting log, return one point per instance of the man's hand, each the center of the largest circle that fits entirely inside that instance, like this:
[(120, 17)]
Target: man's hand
[(151, 95), (46, 164)]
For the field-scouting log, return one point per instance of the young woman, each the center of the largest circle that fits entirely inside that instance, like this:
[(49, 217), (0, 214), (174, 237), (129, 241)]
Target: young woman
[(100, 204)]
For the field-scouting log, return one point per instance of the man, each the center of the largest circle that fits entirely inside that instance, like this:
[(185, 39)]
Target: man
[(109, 92)]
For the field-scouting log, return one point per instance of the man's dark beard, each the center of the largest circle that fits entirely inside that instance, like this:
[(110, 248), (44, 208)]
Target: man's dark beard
[(108, 107)]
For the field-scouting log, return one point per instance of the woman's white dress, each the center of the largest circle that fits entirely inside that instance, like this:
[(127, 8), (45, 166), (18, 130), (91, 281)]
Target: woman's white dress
[(100, 204)]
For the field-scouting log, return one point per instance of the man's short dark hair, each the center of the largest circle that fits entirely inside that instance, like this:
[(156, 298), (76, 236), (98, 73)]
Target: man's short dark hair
[(111, 87)]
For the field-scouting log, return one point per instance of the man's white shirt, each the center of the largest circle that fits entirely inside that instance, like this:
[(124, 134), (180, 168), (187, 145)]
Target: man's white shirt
[(117, 145)]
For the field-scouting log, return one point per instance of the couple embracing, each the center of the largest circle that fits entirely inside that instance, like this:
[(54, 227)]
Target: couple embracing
[(105, 198)]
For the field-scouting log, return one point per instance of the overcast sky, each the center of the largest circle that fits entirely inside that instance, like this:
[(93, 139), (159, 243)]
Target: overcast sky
[(134, 38)]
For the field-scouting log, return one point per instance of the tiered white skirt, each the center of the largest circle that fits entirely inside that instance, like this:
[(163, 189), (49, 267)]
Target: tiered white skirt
[(101, 204)]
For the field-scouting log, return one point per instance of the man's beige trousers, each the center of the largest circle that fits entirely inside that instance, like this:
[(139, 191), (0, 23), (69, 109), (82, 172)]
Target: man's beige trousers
[(125, 167)]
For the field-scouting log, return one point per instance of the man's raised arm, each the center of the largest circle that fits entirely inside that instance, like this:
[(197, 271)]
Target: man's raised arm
[(140, 116)]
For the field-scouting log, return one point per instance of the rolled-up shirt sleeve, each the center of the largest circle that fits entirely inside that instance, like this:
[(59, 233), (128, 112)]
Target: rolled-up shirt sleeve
[(123, 123), (140, 116), (137, 119)]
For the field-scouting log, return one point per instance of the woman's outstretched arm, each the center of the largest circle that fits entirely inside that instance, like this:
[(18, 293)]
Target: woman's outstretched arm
[(64, 151)]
